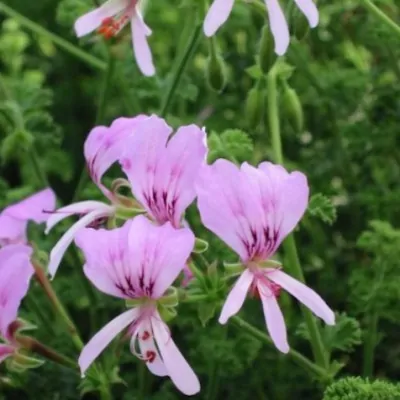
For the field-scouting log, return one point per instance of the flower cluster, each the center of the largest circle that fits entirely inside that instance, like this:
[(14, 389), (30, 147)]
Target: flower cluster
[(149, 243), (111, 17)]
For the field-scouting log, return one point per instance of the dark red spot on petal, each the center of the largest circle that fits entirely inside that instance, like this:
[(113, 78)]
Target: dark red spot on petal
[(146, 335), (150, 356)]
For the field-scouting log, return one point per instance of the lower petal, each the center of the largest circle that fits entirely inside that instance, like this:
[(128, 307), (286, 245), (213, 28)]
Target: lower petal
[(274, 319), (236, 297), (217, 15), (279, 27), (309, 9), (304, 294), (103, 338), (178, 369)]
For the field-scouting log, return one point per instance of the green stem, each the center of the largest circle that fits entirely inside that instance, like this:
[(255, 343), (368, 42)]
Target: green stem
[(180, 65), (290, 244), (41, 175), (302, 361), (370, 344), (58, 306), (57, 40), (104, 94), (37, 347), (382, 16)]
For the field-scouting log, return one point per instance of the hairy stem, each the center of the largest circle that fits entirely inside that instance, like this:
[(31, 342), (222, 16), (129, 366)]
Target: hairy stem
[(302, 361), (58, 306), (290, 244), (382, 16), (180, 64)]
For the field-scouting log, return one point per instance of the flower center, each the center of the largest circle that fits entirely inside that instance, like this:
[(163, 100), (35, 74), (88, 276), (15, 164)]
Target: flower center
[(111, 26)]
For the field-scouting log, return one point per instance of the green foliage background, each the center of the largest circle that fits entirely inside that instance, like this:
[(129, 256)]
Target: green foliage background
[(346, 74)]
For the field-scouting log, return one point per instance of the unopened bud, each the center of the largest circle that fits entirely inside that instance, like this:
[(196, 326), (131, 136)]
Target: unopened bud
[(254, 106), (292, 106), (267, 55), (215, 69)]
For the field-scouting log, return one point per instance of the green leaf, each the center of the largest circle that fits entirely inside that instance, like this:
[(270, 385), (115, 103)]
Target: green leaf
[(322, 207), (206, 311)]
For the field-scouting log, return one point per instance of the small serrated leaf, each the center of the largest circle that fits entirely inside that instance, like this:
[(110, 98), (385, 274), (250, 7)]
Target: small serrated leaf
[(206, 311), (322, 207)]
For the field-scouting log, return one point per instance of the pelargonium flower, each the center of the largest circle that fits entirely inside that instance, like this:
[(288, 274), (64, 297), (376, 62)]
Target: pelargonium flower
[(253, 210), (138, 262), (14, 218), (221, 9), (163, 170), (16, 272), (110, 18), (102, 148)]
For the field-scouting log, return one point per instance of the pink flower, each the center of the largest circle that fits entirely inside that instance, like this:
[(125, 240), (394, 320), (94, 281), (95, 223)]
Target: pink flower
[(110, 18), (14, 219), (104, 145), (16, 272), (253, 210), (163, 170), (138, 262), (221, 9)]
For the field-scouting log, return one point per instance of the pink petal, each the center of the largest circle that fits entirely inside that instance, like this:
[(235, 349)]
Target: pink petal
[(178, 169), (178, 369), (16, 272), (309, 9), (92, 20), (105, 145), (82, 207), (274, 319), (156, 366), (107, 262), (159, 253), (304, 294), (5, 351), (141, 48), (104, 337), (229, 206), (217, 15), (279, 27), (236, 297), (60, 248), (12, 230)]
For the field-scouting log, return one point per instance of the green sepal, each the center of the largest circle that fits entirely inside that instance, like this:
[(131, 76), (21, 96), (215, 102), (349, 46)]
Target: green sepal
[(200, 246)]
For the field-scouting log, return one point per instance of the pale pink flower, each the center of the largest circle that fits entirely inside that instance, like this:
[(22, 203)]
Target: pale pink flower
[(16, 272), (253, 210), (103, 146), (163, 170), (138, 262), (110, 18), (14, 218), (221, 9)]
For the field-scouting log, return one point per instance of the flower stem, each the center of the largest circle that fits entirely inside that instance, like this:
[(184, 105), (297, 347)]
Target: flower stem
[(181, 63), (57, 40), (382, 16), (302, 361), (37, 347), (289, 244), (369, 345), (58, 306), (104, 93)]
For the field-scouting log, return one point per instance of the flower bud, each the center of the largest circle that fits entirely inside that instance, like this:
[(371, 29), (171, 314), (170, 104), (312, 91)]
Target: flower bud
[(293, 108), (215, 69), (267, 56), (254, 106)]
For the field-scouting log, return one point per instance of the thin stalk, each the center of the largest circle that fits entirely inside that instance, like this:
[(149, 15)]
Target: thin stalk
[(41, 175), (181, 63), (382, 16), (57, 40), (37, 347), (58, 306), (104, 93), (290, 244), (302, 361), (370, 344)]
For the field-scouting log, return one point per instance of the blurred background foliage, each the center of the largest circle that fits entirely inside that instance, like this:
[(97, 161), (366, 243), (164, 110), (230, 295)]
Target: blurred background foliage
[(340, 111)]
